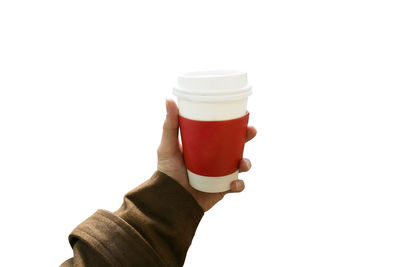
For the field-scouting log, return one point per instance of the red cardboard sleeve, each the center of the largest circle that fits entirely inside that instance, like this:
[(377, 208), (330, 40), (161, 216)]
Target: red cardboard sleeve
[(213, 148)]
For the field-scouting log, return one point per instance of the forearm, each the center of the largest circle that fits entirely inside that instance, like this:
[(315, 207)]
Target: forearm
[(154, 227)]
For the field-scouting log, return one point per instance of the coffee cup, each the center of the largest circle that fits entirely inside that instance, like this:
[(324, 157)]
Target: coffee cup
[(213, 120)]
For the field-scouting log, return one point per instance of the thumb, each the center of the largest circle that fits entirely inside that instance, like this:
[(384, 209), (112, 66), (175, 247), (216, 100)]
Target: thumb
[(169, 139)]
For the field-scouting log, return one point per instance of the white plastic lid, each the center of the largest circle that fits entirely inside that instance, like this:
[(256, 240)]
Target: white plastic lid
[(212, 86)]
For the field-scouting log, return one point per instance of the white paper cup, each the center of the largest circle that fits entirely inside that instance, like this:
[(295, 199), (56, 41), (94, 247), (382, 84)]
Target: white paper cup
[(212, 96)]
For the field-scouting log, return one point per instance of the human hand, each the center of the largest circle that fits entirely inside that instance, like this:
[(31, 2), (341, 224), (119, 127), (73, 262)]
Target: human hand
[(171, 162)]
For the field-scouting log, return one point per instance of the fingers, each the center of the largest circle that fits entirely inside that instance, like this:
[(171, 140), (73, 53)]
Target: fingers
[(237, 186), (244, 165), (251, 133), (171, 125), (171, 121)]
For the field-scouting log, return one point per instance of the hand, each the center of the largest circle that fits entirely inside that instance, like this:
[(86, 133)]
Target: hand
[(170, 159)]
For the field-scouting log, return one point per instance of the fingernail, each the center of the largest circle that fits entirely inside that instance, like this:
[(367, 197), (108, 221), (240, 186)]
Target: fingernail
[(239, 186), (248, 163)]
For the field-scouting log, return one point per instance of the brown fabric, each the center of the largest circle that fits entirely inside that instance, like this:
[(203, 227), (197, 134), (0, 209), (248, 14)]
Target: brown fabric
[(154, 227)]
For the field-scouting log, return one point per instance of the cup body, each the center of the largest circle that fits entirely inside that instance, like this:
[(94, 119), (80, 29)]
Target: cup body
[(213, 121)]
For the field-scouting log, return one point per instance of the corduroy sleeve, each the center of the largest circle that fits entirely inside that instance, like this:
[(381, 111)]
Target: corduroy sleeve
[(154, 227)]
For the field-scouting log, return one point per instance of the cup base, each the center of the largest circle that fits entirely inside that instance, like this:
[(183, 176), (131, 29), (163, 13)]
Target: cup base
[(212, 184)]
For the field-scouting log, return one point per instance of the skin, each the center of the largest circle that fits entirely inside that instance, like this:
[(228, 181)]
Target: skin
[(170, 159)]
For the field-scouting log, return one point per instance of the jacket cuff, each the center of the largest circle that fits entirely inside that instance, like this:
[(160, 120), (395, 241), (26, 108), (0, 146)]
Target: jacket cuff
[(154, 226), (114, 240)]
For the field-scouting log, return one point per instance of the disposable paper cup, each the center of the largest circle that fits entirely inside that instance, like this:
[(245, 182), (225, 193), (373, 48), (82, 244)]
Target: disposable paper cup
[(213, 121)]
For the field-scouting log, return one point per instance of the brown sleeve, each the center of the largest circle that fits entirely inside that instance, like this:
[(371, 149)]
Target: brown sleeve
[(154, 227)]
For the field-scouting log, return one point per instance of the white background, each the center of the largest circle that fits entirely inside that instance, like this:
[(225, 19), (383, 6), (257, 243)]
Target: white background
[(82, 91)]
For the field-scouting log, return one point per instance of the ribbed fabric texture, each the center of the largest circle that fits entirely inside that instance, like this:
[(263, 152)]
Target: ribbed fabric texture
[(154, 227)]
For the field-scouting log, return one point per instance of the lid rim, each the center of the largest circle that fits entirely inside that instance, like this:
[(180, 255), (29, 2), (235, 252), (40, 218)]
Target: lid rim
[(211, 93), (213, 98), (211, 74)]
